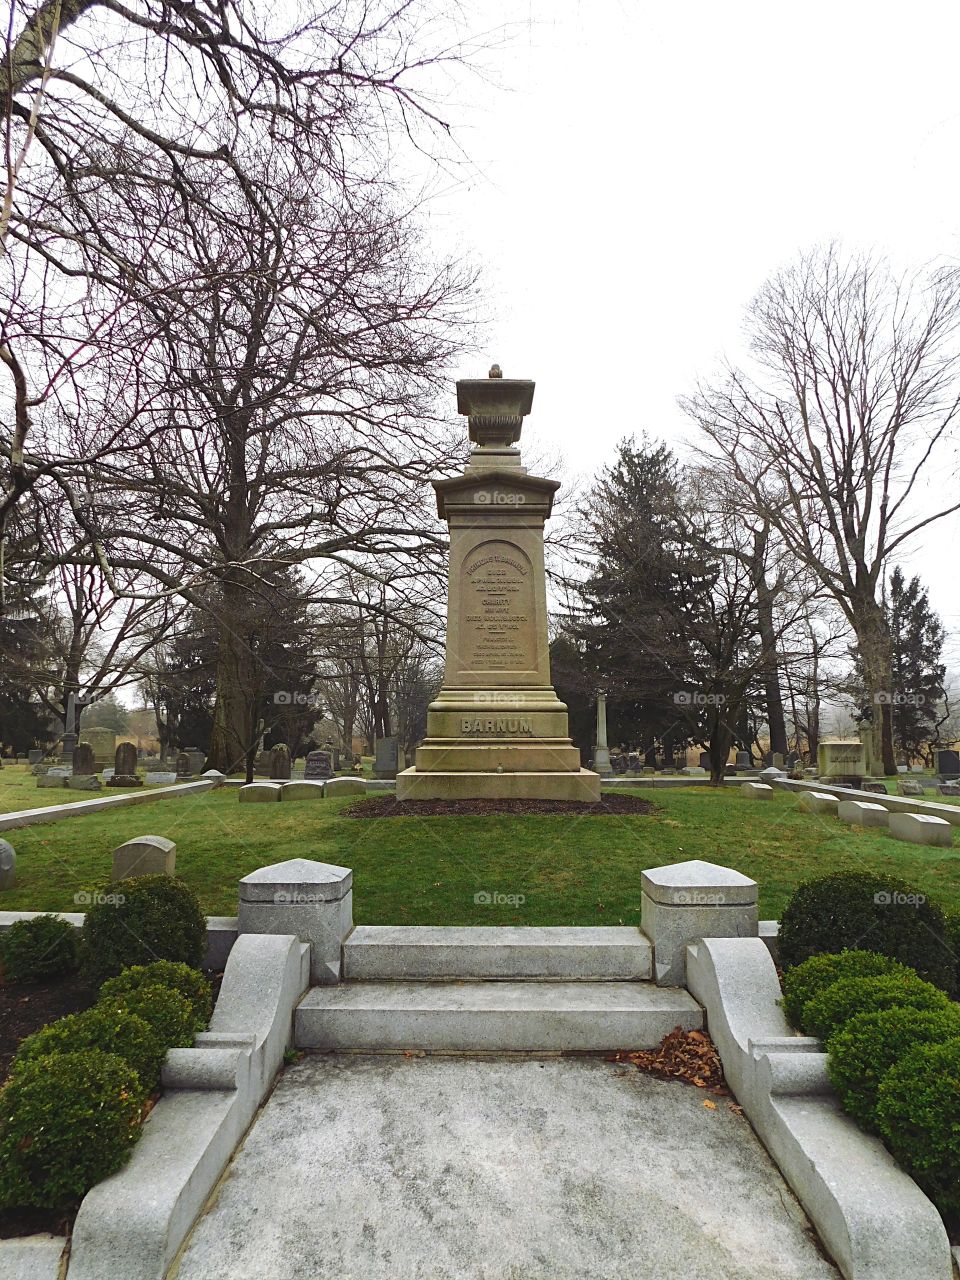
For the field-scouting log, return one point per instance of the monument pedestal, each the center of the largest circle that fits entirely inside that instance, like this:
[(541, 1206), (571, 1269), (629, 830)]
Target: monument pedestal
[(497, 728)]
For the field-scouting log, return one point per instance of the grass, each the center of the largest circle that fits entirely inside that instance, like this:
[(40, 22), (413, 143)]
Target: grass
[(19, 790), (569, 869)]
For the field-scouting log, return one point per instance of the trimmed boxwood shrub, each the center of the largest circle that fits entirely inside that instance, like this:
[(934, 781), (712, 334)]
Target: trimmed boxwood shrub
[(866, 1047), (110, 1029), (860, 910), (843, 1000), (811, 977), (66, 1122), (40, 949), (918, 1113), (191, 984), (169, 1013), (156, 918)]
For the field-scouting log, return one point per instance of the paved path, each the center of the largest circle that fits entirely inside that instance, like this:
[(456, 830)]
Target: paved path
[(447, 1168)]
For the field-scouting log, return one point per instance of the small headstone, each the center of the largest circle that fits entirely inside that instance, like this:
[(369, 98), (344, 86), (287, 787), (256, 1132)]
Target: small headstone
[(947, 765), (34, 756), (949, 788), (125, 767), (771, 772), (793, 759), (319, 766), (214, 775), (196, 757), (916, 768), (743, 760), (903, 768), (704, 759), (84, 762), (909, 787), (345, 787), (280, 762), (184, 768), (84, 782), (335, 752), (144, 856), (258, 792), (387, 758), (8, 865), (160, 778), (875, 788)]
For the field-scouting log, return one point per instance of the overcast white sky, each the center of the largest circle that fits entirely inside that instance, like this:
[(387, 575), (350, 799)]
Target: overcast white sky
[(641, 169)]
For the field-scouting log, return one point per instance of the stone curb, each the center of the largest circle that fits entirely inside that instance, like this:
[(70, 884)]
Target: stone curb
[(76, 809), (874, 1220), (132, 1225), (894, 804)]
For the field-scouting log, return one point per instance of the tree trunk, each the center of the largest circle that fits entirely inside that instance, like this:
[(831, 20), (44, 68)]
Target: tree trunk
[(771, 668), (873, 638), (721, 740), (234, 729)]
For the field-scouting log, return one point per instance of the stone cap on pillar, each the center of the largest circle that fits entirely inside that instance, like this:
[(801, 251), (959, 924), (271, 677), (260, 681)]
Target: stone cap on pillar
[(495, 407), (697, 883), (299, 880)]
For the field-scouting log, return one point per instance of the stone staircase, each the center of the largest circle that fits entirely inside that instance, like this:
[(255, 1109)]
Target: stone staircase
[(500, 990)]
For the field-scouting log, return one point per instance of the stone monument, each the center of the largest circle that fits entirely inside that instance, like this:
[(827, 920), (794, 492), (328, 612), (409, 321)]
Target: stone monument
[(497, 728), (125, 767), (601, 752)]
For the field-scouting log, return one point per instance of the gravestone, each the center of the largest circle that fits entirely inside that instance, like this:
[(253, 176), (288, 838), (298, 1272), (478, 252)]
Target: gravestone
[(743, 760), (704, 761), (909, 787), (84, 763), (160, 777), (125, 767), (948, 765), (144, 856), (387, 758), (793, 759), (280, 762), (34, 756), (949, 788), (8, 865), (841, 759), (196, 757), (875, 788), (497, 727), (184, 768), (318, 765)]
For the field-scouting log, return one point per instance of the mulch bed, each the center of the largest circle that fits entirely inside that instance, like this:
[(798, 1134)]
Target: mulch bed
[(388, 807), (682, 1055), (25, 1007)]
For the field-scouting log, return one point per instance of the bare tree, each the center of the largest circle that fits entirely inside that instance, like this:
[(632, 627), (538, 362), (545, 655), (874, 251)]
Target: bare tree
[(835, 433)]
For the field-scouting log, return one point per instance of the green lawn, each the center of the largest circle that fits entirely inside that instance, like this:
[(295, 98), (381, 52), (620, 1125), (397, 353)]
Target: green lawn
[(19, 790), (569, 869)]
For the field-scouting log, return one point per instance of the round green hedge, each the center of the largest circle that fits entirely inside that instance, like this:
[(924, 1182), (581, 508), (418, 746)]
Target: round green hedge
[(112, 1030), (918, 1113), (140, 920), (859, 910), (40, 949), (865, 1048), (66, 1122), (843, 1000), (191, 984), (166, 1011), (811, 977)]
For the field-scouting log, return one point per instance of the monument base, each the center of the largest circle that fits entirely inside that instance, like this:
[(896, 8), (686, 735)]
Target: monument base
[(417, 784)]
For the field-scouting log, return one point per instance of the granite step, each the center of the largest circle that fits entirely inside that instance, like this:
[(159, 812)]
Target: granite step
[(409, 952), (492, 1017)]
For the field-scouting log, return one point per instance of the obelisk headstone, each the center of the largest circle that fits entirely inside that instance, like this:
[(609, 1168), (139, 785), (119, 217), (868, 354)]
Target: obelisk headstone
[(497, 728), (601, 754)]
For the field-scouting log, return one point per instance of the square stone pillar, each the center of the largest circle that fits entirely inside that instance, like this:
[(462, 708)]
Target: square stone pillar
[(313, 901), (687, 901)]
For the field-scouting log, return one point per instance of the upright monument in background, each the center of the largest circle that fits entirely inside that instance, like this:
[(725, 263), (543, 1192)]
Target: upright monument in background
[(497, 728)]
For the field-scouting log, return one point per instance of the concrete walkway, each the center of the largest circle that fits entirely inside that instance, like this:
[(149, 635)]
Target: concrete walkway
[(449, 1168)]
